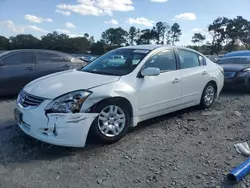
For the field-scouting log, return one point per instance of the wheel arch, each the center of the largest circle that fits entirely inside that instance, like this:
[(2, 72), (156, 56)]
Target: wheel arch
[(123, 100), (215, 84)]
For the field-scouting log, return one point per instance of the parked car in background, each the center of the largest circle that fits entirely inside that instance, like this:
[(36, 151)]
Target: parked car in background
[(237, 53), (109, 95), (236, 71), (87, 59), (19, 67)]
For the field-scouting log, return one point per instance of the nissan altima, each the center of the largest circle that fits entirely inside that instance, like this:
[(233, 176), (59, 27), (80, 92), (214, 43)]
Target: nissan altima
[(110, 95), (236, 71)]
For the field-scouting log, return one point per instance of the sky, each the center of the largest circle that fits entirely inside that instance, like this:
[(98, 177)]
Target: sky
[(76, 17)]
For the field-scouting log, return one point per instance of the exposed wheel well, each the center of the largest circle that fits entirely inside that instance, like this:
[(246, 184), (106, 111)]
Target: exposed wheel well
[(215, 84), (122, 100)]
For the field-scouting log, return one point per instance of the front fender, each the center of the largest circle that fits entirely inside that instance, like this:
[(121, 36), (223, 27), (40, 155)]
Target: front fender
[(109, 91)]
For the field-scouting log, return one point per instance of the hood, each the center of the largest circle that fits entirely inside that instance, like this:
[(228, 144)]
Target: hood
[(234, 67), (56, 84)]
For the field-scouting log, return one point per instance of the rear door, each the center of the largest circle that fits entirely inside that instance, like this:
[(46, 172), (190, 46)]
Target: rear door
[(62, 62), (16, 71), (194, 75), (48, 63)]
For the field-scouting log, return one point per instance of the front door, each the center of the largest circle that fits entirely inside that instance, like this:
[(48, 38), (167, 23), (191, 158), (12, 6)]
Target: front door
[(16, 71), (162, 92)]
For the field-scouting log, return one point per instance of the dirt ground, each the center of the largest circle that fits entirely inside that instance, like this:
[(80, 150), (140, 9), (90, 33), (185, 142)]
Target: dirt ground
[(188, 148)]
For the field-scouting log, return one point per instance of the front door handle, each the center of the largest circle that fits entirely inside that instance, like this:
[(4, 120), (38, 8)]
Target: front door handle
[(176, 80), (204, 73)]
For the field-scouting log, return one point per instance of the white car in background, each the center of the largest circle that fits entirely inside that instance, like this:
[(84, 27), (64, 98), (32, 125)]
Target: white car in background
[(105, 98)]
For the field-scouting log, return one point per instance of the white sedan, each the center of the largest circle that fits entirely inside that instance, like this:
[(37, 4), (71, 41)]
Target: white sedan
[(110, 95)]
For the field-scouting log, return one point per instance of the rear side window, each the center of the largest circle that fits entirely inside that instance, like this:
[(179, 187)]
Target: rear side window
[(164, 60), (188, 59), (46, 57), (19, 58)]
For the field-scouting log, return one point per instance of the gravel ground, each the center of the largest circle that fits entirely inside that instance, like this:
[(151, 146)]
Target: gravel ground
[(189, 148)]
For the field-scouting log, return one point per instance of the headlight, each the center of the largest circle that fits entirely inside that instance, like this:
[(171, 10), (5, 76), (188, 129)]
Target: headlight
[(68, 103), (245, 72)]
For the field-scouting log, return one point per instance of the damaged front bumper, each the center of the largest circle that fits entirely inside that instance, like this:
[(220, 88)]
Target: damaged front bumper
[(56, 128)]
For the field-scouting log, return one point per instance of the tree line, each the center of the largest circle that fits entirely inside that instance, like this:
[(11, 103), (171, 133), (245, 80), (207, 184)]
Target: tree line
[(225, 35)]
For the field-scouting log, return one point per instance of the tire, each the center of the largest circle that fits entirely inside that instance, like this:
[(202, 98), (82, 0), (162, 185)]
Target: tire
[(98, 127), (209, 91)]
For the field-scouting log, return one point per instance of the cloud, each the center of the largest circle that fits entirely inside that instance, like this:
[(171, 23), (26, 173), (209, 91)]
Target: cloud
[(10, 25), (75, 35), (36, 19), (38, 29), (63, 31), (69, 25), (98, 7), (205, 18), (140, 21), (197, 30), (186, 16), (159, 1), (113, 22), (65, 13), (21, 29)]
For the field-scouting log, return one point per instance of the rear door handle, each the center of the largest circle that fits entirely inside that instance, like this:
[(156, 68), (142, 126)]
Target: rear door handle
[(66, 66), (204, 73), (176, 80), (30, 68)]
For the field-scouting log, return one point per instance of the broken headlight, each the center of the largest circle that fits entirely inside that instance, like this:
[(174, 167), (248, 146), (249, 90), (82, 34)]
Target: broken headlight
[(68, 103)]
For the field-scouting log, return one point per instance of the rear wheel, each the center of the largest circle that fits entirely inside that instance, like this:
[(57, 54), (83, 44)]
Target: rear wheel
[(208, 95), (112, 123)]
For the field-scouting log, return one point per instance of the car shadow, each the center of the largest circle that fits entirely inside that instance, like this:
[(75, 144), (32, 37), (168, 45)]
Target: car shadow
[(8, 98), (177, 114), (234, 92)]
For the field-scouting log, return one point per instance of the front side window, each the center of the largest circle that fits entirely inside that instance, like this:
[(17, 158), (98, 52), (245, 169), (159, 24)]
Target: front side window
[(164, 60), (46, 57), (19, 58), (188, 59), (117, 62)]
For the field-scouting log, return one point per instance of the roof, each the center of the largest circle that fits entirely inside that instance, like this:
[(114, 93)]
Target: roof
[(34, 50), (37, 50), (153, 46), (238, 53), (236, 57)]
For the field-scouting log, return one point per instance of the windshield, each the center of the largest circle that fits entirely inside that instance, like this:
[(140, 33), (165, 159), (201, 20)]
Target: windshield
[(234, 61), (117, 62)]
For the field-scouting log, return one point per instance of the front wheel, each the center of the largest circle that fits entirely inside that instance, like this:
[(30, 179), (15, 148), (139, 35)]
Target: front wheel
[(112, 123), (208, 95)]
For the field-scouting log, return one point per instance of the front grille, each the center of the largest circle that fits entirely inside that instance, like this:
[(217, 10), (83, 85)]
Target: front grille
[(27, 100), (229, 74)]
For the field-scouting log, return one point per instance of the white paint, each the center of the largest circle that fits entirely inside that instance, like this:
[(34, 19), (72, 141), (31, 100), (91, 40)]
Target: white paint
[(149, 97)]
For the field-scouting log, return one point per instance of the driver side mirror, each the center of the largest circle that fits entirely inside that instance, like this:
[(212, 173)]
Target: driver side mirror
[(150, 71)]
